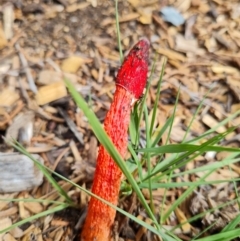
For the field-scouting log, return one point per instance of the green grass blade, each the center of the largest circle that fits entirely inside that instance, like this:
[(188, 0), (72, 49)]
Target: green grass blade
[(148, 143), (156, 185), (118, 31), (140, 105), (226, 236), (157, 98), (212, 130), (162, 131), (181, 160), (136, 159), (42, 168), (36, 216), (179, 148)]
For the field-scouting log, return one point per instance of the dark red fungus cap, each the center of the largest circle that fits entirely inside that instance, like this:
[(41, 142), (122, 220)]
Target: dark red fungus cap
[(133, 73)]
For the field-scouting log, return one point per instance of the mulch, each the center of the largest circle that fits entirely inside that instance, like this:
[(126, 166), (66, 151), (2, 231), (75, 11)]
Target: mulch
[(43, 40)]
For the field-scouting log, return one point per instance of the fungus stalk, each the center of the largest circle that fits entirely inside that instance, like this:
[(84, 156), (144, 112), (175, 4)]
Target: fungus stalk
[(130, 83)]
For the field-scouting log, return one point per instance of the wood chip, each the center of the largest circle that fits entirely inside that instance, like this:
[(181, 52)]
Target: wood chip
[(21, 128), (171, 54), (3, 40), (33, 207), (211, 122), (186, 227), (51, 92), (73, 63), (220, 69), (4, 223), (8, 212), (47, 77), (8, 97), (76, 6), (8, 18), (34, 234), (8, 237), (19, 172), (71, 125)]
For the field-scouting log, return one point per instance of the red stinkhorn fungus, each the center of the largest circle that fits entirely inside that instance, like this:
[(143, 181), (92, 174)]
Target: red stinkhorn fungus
[(130, 82)]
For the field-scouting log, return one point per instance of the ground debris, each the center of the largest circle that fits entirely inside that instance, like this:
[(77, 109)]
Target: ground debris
[(44, 42)]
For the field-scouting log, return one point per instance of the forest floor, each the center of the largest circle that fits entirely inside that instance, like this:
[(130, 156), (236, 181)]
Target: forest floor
[(43, 40)]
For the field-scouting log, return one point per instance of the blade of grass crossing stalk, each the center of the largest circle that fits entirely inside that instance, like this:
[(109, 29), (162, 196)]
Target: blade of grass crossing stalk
[(63, 206), (46, 173), (155, 107), (108, 145), (165, 234)]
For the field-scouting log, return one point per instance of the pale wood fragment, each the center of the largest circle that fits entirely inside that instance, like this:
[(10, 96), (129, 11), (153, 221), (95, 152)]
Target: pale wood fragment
[(3, 40), (211, 122), (51, 92), (34, 234), (75, 151), (171, 54), (186, 227), (16, 232), (6, 196), (8, 18), (18, 172), (8, 97), (4, 223), (8, 212), (21, 128), (33, 207), (8, 237), (72, 126)]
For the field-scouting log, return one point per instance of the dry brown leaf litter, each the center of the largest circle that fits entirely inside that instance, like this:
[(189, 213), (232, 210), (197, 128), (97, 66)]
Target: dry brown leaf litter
[(42, 41)]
